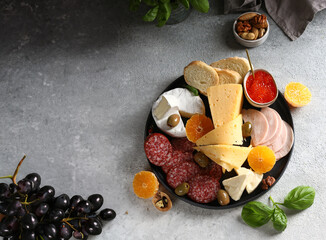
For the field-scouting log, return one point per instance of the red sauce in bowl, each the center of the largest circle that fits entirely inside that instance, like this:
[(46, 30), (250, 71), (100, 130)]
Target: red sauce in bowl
[(262, 89)]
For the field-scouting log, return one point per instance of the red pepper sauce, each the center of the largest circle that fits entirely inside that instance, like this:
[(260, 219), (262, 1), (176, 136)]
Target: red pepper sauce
[(262, 89)]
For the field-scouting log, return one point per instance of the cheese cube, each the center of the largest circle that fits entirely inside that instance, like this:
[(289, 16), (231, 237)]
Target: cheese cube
[(234, 156), (236, 185), (228, 133), (225, 102)]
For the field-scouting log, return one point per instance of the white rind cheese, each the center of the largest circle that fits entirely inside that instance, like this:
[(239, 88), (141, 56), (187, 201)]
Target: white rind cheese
[(236, 185), (176, 101), (254, 178)]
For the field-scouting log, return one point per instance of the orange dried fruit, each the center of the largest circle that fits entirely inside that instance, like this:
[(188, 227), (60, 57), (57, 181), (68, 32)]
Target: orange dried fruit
[(297, 94), (145, 184), (261, 159), (197, 126)]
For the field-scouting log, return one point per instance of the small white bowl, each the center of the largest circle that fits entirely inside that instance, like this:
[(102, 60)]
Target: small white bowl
[(250, 43), (252, 102)]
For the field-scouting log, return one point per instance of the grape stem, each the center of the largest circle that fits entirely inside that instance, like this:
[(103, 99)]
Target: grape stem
[(17, 169), (9, 176)]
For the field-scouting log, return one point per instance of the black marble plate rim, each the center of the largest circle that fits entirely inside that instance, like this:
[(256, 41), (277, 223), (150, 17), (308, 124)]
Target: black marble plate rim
[(284, 161)]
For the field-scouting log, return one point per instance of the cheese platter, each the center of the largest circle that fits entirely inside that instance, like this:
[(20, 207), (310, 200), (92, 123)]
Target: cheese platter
[(232, 176)]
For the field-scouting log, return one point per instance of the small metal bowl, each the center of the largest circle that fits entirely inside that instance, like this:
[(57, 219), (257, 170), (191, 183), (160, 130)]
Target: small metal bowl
[(250, 43), (252, 102)]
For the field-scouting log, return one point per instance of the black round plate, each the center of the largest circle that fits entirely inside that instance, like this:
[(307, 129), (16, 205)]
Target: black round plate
[(279, 105)]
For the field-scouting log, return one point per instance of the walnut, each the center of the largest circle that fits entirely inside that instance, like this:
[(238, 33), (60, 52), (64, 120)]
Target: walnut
[(259, 21), (243, 26)]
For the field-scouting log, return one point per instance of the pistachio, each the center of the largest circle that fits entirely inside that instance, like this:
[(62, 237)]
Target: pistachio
[(162, 201)]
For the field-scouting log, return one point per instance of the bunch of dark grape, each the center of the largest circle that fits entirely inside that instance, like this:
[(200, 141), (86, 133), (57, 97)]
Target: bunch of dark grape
[(31, 212)]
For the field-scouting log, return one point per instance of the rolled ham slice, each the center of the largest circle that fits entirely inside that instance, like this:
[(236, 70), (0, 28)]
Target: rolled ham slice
[(273, 119), (288, 143), (259, 125), (280, 141)]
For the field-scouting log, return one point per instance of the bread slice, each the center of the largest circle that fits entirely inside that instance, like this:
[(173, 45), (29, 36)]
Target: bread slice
[(228, 76), (201, 76), (238, 64)]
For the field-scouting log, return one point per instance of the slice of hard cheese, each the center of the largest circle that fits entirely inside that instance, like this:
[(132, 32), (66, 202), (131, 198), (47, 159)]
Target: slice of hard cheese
[(233, 156), (236, 185), (225, 102), (254, 178), (228, 134)]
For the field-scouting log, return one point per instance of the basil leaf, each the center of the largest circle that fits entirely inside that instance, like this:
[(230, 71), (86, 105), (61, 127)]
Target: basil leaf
[(200, 5), (256, 214), (192, 89), (279, 219), (134, 5), (151, 3), (163, 14), (300, 198), (185, 3), (151, 15)]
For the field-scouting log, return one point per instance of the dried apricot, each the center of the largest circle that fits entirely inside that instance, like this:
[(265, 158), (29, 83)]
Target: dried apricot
[(261, 159), (197, 126), (297, 94), (145, 184)]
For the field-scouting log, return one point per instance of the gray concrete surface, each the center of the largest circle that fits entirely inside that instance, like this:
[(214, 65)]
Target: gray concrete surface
[(77, 80)]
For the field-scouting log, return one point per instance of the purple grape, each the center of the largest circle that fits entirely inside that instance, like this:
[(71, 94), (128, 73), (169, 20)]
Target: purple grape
[(96, 200), (93, 226), (41, 209), (62, 202), (29, 221), (75, 200), (8, 226), (84, 207), (56, 215), (107, 214), (35, 179), (24, 186), (4, 191)]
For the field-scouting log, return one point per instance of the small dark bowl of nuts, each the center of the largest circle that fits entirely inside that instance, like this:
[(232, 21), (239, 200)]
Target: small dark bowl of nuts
[(251, 29)]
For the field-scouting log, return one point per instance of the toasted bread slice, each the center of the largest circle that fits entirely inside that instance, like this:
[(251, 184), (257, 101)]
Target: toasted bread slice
[(201, 76), (228, 76), (238, 64)]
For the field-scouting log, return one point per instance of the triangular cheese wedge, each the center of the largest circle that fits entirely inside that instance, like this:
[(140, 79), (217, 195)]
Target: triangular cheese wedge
[(254, 178), (232, 155), (236, 185), (225, 102), (228, 134)]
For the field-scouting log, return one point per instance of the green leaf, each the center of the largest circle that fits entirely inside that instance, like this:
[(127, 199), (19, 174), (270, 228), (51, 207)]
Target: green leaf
[(165, 1), (151, 15), (192, 89), (256, 214), (163, 14), (151, 3), (134, 5), (200, 5), (279, 219), (300, 198), (185, 3)]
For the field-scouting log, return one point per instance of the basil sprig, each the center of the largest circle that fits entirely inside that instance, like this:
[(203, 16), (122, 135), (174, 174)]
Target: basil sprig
[(256, 214)]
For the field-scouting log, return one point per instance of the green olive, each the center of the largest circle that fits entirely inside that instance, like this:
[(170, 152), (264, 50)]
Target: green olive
[(173, 120), (246, 129), (201, 159), (182, 189), (223, 197)]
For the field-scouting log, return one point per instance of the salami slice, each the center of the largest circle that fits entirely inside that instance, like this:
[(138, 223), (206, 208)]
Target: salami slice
[(183, 172), (176, 158), (203, 188), (182, 144), (214, 170), (157, 148)]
